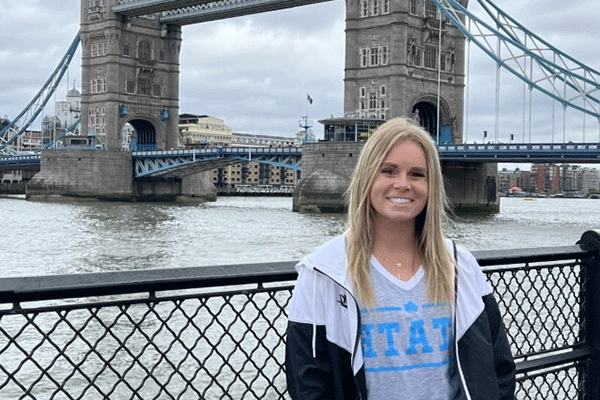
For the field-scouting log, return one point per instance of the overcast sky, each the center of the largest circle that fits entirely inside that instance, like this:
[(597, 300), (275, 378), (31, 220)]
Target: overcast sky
[(255, 72)]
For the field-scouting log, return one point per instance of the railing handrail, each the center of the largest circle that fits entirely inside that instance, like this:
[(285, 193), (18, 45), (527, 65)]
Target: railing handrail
[(49, 287)]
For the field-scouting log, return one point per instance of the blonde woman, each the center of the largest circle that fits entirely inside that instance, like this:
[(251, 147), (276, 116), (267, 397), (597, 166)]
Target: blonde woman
[(391, 309)]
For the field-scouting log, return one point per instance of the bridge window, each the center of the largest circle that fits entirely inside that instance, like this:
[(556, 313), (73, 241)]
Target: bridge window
[(382, 90), (384, 55), (156, 90), (130, 86), (374, 56), (125, 49), (385, 6), (364, 57), (430, 9), (430, 57), (98, 49), (143, 86), (375, 7), (364, 8), (363, 91), (98, 86), (413, 7), (372, 100), (144, 50)]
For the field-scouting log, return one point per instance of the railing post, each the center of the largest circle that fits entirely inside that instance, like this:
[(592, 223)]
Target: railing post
[(590, 241)]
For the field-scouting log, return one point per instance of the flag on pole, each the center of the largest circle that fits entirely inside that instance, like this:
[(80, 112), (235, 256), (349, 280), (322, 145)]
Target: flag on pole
[(310, 100)]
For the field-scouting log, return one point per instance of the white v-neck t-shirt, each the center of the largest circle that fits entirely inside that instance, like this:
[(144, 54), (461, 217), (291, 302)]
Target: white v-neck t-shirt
[(405, 339)]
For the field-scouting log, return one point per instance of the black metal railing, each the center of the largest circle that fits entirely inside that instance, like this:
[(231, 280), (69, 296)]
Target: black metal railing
[(219, 332)]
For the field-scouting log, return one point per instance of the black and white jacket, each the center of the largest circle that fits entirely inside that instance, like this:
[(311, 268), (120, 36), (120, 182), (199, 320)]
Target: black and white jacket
[(324, 357)]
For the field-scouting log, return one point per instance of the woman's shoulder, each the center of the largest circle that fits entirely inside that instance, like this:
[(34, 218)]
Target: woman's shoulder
[(329, 257), (468, 267)]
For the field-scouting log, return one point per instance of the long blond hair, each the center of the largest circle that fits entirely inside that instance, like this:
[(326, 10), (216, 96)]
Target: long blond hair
[(438, 262)]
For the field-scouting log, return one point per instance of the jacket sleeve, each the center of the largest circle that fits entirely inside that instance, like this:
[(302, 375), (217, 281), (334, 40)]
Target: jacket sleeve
[(503, 359), (307, 363), (308, 377)]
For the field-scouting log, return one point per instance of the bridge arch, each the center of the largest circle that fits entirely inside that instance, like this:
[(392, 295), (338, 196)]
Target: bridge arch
[(425, 111), (145, 132)]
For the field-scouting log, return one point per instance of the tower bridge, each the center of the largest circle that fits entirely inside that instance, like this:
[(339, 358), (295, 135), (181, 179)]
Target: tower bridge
[(403, 58)]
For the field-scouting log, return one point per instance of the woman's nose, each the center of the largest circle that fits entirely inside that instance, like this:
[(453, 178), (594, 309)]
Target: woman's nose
[(401, 182)]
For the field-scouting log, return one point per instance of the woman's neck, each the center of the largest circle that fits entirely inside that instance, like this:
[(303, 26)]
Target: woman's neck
[(394, 236)]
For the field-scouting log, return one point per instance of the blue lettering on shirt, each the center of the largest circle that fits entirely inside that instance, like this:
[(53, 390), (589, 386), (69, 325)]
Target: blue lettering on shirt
[(389, 329), (416, 337)]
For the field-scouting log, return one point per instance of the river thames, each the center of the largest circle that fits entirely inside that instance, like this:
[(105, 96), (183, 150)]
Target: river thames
[(77, 237)]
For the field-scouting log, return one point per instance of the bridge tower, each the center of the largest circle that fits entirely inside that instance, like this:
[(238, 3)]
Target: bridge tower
[(404, 59), (130, 74)]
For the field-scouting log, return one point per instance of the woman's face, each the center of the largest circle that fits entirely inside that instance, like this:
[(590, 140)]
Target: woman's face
[(401, 186)]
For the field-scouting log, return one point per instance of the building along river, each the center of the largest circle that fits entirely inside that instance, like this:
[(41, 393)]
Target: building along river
[(64, 238)]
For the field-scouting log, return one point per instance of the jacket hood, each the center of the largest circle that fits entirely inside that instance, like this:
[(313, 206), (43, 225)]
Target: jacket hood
[(330, 259)]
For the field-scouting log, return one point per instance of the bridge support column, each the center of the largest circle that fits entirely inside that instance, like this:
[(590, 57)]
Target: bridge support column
[(73, 174), (190, 189), (472, 187), (326, 173)]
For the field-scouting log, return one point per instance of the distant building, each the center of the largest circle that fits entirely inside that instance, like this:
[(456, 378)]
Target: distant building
[(203, 130), (69, 111), (66, 113), (590, 180), (253, 140), (547, 177), (571, 180)]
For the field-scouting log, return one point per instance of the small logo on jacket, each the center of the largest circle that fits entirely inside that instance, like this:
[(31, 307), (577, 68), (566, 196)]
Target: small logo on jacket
[(343, 301)]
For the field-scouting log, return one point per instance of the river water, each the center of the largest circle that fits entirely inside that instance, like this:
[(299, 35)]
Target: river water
[(61, 238)]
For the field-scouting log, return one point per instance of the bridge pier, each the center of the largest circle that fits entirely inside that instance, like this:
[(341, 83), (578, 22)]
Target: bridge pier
[(327, 170), (108, 175)]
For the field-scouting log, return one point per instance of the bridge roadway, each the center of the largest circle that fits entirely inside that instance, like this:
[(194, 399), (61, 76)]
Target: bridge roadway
[(177, 163)]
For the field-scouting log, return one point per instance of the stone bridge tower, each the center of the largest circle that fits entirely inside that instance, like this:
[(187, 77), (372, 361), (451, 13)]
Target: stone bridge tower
[(395, 57), (130, 74)]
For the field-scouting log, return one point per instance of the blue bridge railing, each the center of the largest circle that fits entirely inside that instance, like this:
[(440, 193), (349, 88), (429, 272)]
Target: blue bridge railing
[(219, 332), (522, 152)]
